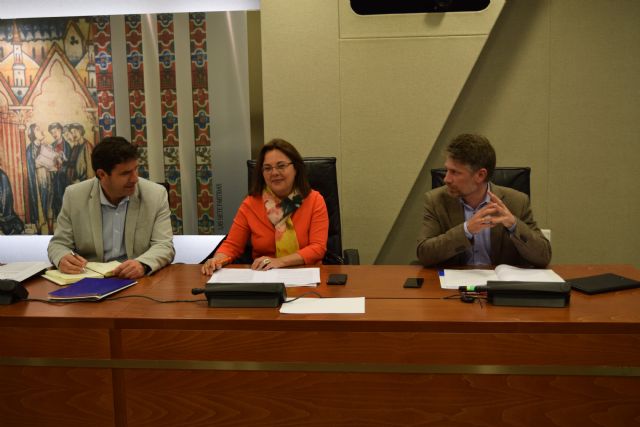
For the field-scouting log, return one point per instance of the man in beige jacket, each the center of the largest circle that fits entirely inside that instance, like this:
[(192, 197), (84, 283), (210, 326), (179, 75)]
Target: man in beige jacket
[(114, 216)]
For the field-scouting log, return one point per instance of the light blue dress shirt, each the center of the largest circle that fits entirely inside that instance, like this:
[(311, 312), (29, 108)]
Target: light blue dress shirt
[(113, 220), (480, 252)]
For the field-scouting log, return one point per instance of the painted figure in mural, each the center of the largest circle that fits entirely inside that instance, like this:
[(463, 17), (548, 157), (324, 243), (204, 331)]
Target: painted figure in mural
[(80, 161), (59, 179), (42, 163), (66, 134), (10, 223)]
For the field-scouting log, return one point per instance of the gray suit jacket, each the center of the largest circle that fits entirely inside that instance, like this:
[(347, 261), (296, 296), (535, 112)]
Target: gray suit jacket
[(442, 240), (147, 232)]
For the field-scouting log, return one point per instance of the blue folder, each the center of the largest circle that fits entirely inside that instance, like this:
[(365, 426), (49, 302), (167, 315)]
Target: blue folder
[(89, 289)]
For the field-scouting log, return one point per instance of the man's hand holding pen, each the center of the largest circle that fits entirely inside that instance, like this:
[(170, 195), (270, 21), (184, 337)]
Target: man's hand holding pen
[(72, 263)]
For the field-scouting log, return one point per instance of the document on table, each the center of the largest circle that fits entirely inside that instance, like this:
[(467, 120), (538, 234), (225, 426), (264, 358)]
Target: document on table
[(21, 271), (324, 306), (91, 289), (451, 279), (289, 276)]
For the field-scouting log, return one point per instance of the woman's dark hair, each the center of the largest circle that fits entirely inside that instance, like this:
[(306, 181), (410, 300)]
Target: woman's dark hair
[(301, 183), (111, 151)]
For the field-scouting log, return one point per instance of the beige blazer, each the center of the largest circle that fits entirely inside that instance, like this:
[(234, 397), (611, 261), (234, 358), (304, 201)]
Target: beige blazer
[(147, 232), (442, 240)]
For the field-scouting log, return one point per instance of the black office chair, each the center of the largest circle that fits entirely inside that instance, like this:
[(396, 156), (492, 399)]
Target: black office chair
[(516, 178), (321, 172), (166, 187)]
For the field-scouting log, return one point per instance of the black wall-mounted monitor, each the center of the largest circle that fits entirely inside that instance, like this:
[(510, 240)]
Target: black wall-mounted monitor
[(380, 7)]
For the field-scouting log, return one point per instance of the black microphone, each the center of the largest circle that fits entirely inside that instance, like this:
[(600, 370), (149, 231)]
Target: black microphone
[(472, 288), (12, 291)]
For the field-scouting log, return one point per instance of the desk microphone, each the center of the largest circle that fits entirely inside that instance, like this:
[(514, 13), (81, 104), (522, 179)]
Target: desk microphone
[(222, 262), (472, 288)]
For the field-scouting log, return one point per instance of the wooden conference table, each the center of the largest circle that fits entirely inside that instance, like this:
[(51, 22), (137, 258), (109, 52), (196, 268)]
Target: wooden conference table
[(412, 359)]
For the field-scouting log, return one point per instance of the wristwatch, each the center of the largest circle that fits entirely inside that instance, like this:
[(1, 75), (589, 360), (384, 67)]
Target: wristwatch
[(147, 269)]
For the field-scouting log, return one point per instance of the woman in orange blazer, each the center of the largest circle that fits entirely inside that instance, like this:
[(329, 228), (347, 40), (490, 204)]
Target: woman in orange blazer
[(285, 219)]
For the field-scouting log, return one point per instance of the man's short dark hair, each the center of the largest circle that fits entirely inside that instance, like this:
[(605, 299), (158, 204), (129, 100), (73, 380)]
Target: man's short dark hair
[(111, 151), (473, 150)]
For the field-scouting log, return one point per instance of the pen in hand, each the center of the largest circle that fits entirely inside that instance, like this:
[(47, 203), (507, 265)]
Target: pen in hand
[(76, 256)]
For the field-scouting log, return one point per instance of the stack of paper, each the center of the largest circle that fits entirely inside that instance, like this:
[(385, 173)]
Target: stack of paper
[(324, 306), (289, 276), (92, 270), (21, 271), (451, 279)]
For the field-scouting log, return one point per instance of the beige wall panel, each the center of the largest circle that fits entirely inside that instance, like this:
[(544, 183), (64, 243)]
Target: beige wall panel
[(353, 25), (556, 87), (505, 98), (359, 97), (594, 196), (396, 96), (300, 71)]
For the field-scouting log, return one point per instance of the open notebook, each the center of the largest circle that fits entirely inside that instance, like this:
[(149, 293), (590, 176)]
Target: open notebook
[(90, 289), (93, 270), (451, 279)]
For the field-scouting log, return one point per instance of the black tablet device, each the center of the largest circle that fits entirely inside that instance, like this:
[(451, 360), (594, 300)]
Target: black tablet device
[(607, 282)]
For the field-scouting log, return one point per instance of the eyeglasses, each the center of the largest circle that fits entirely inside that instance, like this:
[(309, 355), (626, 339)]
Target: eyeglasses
[(280, 167)]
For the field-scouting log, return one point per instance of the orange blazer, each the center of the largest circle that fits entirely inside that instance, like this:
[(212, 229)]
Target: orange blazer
[(310, 221)]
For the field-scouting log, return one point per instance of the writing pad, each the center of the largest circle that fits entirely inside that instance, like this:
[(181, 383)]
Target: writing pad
[(601, 283)]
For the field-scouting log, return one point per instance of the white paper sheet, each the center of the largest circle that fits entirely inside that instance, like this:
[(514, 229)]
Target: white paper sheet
[(22, 270), (289, 276), (324, 305), (451, 279), (509, 272)]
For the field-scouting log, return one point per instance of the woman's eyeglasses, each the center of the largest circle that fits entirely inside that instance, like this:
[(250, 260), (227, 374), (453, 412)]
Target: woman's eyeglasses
[(280, 167)]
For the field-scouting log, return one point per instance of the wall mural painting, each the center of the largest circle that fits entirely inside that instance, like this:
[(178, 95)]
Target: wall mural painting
[(135, 80), (200, 98), (49, 115), (57, 102), (169, 111)]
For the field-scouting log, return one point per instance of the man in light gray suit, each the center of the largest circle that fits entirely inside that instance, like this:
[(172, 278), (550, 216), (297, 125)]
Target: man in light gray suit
[(114, 216), (470, 221)]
